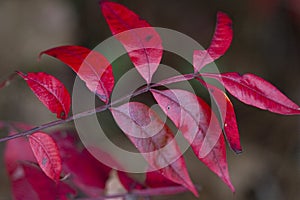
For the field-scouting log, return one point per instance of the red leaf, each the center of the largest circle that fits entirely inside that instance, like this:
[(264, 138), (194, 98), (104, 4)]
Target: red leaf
[(141, 41), (50, 91), (220, 43), (129, 183), (228, 117), (154, 140), (155, 180), (159, 191), (257, 92), (92, 67), (29, 182), (26, 183), (46, 153), (17, 149), (86, 172), (194, 118), (89, 174)]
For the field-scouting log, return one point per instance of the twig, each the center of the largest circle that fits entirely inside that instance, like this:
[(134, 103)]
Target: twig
[(102, 108)]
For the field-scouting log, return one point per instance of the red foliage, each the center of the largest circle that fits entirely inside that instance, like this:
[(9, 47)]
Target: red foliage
[(92, 67), (46, 153), (50, 91), (47, 165)]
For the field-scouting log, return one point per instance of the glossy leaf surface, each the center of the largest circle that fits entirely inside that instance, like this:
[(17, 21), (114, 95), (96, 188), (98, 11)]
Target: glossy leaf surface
[(50, 91), (92, 67)]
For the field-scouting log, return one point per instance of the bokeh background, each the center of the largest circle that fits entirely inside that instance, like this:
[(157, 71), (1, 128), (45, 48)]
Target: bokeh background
[(266, 42)]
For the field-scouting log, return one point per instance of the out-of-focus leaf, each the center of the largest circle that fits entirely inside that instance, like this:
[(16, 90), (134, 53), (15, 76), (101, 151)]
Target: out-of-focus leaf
[(92, 67), (141, 41), (50, 91), (31, 177), (155, 180), (85, 171), (129, 183)]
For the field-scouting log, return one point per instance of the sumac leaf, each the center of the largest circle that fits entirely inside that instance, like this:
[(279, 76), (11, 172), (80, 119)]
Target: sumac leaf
[(198, 124), (50, 91), (220, 43), (31, 183), (141, 41), (255, 91), (155, 180), (228, 116), (17, 149), (92, 67), (46, 153), (154, 140), (87, 173), (129, 183)]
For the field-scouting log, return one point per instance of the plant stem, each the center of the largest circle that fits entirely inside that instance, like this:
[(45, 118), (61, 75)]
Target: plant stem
[(102, 108)]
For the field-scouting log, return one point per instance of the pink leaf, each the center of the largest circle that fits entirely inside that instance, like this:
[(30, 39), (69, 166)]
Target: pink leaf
[(92, 67), (89, 175), (85, 171), (155, 180), (194, 118), (129, 183), (257, 92), (46, 153), (154, 140), (141, 41), (50, 91), (17, 149), (228, 117), (220, 43), (160, 191), (29, 182)]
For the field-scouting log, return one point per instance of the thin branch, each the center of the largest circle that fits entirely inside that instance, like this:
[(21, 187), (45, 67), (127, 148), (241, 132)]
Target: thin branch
[(102, 108)]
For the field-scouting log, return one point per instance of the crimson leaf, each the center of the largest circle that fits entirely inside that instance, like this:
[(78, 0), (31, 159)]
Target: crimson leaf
[(17, 149), (155, 180), (220, 43), (92, 67), (228, 116), (89, 175), (38, 184), (154, 140), (46, 153), (129, 183), (257, 92), (194, 118), (141, 41), (50, 91)]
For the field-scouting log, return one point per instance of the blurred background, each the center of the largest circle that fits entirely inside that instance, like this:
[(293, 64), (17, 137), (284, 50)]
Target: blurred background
[(266, 42)]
